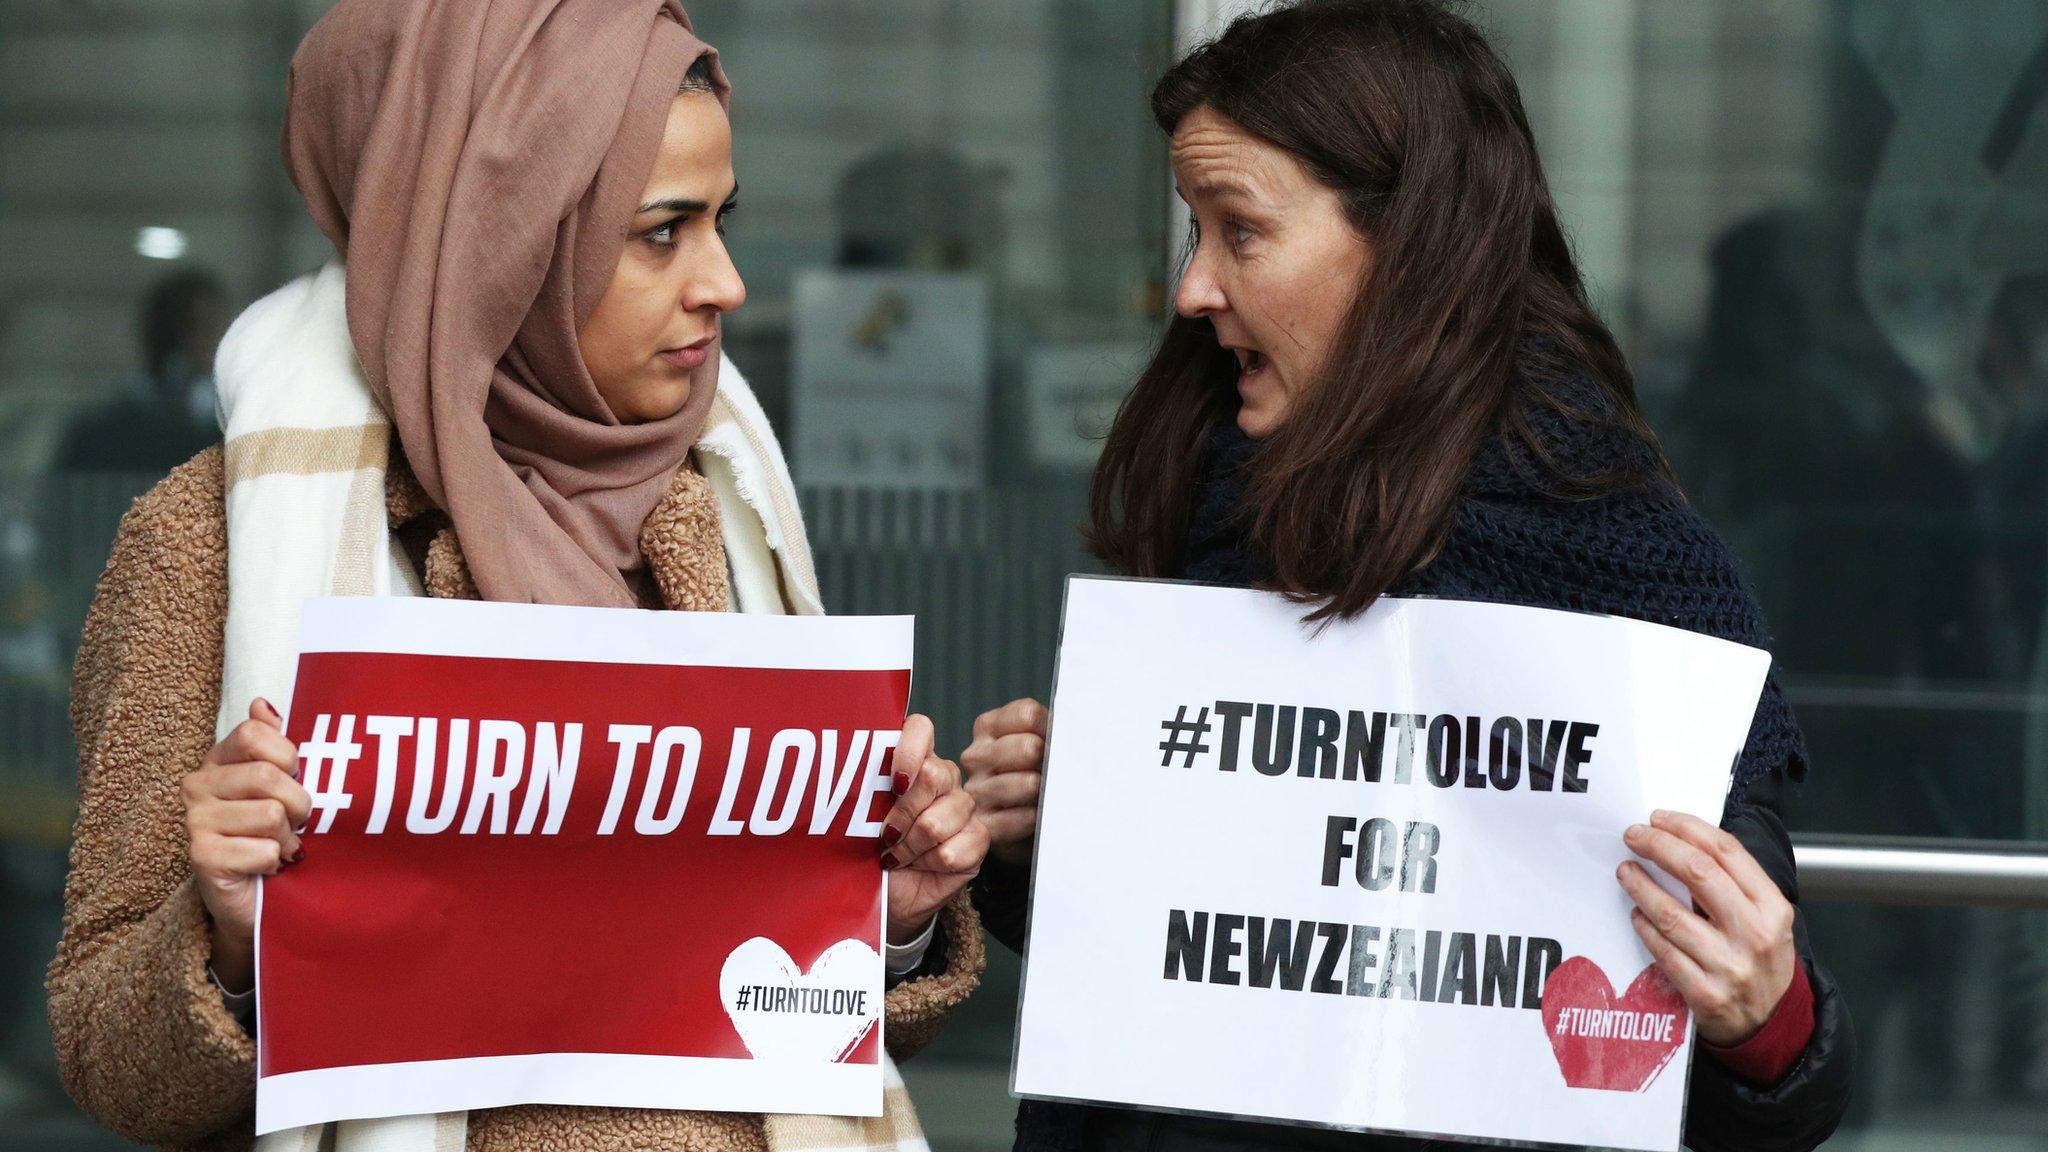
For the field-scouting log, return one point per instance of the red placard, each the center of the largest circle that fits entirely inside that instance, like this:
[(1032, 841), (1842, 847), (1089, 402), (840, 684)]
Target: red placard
[(536, 879)]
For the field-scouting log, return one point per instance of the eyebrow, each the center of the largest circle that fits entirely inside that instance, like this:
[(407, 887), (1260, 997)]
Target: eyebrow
[(1224, 186), (1229, 188), (678, 205)]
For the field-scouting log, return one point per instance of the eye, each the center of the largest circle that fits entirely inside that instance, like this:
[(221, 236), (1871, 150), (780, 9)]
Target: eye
[(1237, 233), (664, 236), (725, 215)]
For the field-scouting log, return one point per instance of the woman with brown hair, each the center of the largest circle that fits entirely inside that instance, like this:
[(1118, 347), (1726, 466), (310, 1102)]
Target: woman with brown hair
[(1384, 378), (513, 392)]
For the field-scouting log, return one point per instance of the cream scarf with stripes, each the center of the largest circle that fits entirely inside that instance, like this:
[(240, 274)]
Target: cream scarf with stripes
[(306, 453)]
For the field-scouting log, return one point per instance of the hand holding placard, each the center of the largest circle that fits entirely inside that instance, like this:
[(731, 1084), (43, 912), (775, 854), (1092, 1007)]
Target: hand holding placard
[(1732, 959), (1004, 766), (243, 805), (933, 843)]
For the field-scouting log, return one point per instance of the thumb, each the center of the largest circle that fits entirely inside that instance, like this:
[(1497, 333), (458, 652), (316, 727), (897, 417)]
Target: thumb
[(263, 712), (915, 745)]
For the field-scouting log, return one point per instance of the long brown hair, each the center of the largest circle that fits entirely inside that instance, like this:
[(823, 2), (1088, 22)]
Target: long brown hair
[(1473, 306)]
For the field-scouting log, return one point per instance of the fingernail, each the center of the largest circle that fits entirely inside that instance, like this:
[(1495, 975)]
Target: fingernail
[(267, 706), (297, 770), (298, 855), (902, 782), (1634, 832), (890, 836), (1659, 814), (890, 863)]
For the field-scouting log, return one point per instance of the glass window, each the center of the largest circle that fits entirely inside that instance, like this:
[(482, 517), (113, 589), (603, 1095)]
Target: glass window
[(1819, 229), (1815, 229)]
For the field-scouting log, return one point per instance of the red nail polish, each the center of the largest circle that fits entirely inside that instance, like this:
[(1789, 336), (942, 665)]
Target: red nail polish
[(902, 782), (297, 856), (270, 708), (890, 863), (890, 836)]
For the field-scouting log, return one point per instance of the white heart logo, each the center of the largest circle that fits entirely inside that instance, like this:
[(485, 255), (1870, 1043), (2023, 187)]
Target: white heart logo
[(810, 1017)]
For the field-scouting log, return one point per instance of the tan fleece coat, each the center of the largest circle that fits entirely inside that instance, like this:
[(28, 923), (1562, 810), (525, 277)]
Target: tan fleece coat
[(143, 1041)]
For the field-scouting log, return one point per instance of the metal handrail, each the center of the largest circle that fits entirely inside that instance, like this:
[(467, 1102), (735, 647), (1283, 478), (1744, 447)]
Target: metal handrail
[(1920, 870)]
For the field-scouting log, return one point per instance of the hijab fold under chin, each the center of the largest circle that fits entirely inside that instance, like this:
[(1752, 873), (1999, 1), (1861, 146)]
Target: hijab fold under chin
[(478, 166)]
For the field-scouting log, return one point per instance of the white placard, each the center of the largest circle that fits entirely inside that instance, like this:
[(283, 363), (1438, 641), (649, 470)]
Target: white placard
[(1425, 911)]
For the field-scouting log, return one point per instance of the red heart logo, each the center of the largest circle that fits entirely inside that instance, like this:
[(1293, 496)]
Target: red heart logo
[(1601, 1042)]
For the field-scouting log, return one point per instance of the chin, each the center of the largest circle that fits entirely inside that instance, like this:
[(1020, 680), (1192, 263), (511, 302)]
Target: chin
[(656, 404), (1259, 420)]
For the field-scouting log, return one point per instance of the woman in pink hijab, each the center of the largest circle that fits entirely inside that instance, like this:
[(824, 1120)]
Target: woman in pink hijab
[(529, 197)]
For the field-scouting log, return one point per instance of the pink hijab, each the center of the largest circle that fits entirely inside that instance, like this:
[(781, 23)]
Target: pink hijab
[(478, 166)]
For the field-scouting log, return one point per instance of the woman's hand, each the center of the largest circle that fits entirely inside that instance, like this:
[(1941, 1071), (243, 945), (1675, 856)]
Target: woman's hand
[(1004, 770), (1730, 955), (931, 838), (241, 807)]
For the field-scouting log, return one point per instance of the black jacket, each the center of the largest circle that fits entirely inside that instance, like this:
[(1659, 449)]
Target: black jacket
[(1642, 553)]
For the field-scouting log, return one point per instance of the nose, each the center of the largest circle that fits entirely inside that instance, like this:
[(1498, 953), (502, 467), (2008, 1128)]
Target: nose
[(1200, 293), (715, 284)]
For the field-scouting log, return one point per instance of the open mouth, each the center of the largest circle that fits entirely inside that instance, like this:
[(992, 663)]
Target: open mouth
[(1250, 362)]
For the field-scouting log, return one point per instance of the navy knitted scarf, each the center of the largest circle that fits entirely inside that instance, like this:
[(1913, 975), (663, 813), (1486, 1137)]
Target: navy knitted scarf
[(1641, 552)]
